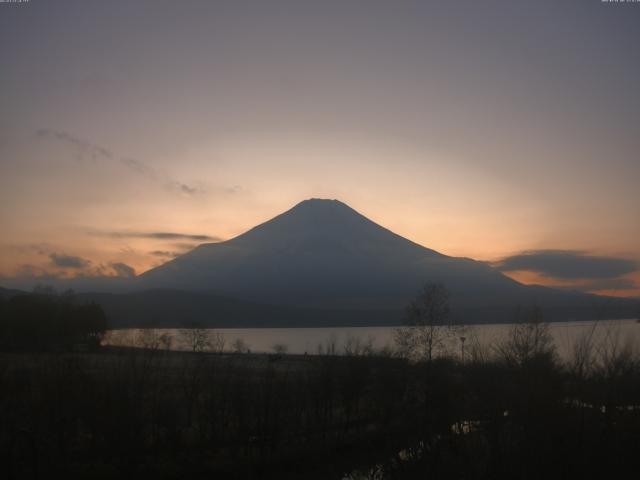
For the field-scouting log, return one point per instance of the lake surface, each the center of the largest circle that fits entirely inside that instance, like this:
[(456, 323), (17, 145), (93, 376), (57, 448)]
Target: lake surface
[(339, 339)]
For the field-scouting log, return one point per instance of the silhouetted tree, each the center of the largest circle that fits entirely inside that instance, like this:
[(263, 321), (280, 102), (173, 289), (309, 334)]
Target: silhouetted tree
[(195, 338), (428, 323), (529, 339), (280, 348), (239, 346), (46, 321)]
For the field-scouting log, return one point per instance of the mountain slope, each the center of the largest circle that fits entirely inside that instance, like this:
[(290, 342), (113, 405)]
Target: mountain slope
[(323, 254)]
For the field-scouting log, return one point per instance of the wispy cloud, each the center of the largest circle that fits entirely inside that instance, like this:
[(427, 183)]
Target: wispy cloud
[(29, 271), (84, 150), (568, 264), (74, 267), (62, 265), (183, 188), (139, 167)]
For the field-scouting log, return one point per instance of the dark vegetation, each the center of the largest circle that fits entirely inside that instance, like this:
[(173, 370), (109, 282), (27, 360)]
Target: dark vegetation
[(45, 321), (511, 411)]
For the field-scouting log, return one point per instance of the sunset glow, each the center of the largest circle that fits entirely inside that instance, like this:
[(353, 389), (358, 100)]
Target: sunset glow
[(468, 146)]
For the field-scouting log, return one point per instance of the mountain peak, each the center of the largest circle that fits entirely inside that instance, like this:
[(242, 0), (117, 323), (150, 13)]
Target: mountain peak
[(321, 203), (326, 224), (314, 200), (315, 217), (320, 252)]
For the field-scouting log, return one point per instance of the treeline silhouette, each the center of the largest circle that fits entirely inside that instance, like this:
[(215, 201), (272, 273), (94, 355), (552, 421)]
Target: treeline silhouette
[(47, 321), (511, 411)]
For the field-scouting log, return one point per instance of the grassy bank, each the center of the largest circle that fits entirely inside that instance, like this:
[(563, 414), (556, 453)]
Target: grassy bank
[(154, 413)]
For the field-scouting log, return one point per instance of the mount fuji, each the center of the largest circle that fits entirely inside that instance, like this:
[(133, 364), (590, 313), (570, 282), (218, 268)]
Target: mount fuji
[(323, 260)]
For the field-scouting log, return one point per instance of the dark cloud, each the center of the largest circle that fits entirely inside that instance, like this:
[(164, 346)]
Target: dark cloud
[(160, 236), (568, 264), (68, 261), (187, 189), (179, 236), (123, 270)]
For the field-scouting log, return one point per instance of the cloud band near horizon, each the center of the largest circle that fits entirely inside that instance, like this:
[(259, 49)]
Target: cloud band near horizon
[(159, 236), (568, 264)]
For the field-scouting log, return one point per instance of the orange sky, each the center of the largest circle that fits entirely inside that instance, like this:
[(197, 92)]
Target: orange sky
[(470, 132)]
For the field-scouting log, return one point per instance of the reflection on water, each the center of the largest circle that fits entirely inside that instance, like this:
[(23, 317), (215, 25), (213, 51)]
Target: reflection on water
[(361, 340)]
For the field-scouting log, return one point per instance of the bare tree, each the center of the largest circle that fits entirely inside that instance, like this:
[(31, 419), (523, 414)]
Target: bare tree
[(330, 346), (217, 342), (528, 339), (583, 361), (427, 324), (354, 346), (476, 351), (239, 346), (195, 338), (166, 341), (151, 339), (615, 353), (280, 348)]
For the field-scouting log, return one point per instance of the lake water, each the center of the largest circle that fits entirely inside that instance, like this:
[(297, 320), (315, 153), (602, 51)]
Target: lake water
[(318, 340)]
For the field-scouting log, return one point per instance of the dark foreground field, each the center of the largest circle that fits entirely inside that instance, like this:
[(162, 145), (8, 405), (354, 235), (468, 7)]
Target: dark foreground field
[(161, 414)]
